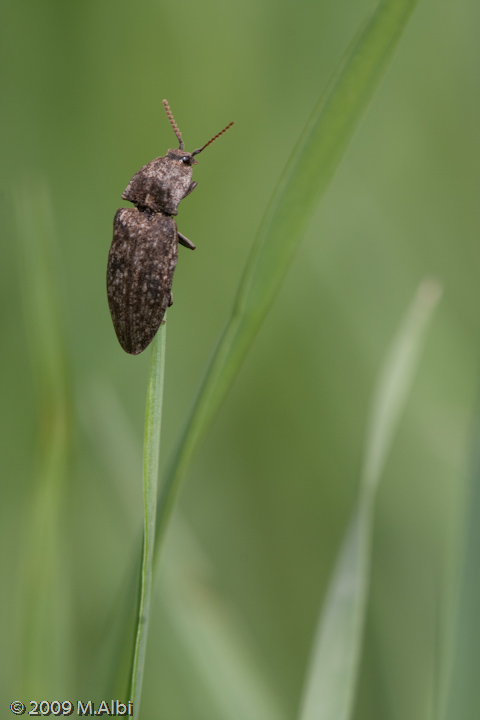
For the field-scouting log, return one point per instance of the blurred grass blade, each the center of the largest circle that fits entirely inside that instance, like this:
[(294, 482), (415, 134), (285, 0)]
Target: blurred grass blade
[(42, 610), (331, 683), (305, 178), (150, 481), (462, 698), (112, 434), (222, 656)]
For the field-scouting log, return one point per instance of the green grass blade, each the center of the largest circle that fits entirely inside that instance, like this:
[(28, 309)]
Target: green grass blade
[(305, 178), (150, 481), (219, 649), (462, 697), (111, 432), (42, 611), (331, 683)]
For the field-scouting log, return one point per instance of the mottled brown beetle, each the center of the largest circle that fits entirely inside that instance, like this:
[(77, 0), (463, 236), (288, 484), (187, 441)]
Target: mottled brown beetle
[(143, 254)]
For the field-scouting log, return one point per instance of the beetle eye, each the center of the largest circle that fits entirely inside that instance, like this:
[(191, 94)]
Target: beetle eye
[(186, 159)]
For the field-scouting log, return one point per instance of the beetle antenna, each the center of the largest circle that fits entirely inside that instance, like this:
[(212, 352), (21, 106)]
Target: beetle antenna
[(173, 123), (195, 152)]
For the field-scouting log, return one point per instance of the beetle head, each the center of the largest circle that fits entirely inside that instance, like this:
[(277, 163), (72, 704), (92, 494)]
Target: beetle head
[(182, 156)]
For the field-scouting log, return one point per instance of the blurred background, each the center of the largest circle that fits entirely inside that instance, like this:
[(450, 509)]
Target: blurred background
[(268, 496)]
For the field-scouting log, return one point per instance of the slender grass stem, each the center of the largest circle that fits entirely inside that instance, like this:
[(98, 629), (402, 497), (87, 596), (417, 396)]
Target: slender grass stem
[(150, 481)]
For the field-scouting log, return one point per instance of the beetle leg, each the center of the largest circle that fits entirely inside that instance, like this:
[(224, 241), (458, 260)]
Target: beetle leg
[(185, 241), (192, 186), (170, 302)]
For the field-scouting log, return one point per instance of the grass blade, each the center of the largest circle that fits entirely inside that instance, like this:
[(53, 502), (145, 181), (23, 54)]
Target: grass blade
[(305, 178), (150, 481), (331, 684), (42, 609), (462, 697), (218, 645)]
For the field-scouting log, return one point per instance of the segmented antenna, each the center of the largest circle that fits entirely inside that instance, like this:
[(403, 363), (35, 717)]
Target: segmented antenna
[(195, 152), (173, 123)]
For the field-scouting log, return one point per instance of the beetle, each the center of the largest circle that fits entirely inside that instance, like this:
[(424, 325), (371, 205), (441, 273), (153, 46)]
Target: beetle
[(144, 249)]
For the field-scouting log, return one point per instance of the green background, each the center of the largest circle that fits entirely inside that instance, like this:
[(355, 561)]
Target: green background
[(268, 496)]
